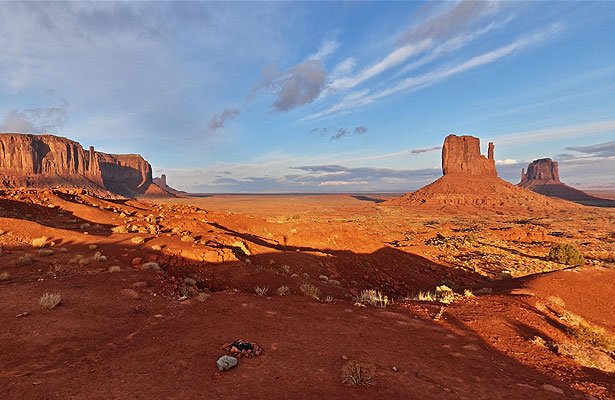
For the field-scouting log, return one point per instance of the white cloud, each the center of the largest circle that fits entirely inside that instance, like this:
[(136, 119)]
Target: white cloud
[(362, 98), (327, 48), (508, 161), (556, 132)]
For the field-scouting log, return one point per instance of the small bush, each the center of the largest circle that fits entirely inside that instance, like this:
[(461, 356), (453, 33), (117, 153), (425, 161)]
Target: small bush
[(329, 299), (261, 291), (39, 242), (4, 276), (566, 254), (442, 294), (310, 290), (357, 374), (26, 259), (49, 301), (137, 240), (283, 291)]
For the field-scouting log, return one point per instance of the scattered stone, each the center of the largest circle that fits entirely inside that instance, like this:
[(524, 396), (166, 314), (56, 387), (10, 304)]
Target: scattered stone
[(238, 245), (151, 265), (156, 247), (137, 240), (131, 294), (23, 314), (137, 261), (139, 285), (188, 239), (92, 247), (225, 363), (552, 389), (115, 268), (45, 252)]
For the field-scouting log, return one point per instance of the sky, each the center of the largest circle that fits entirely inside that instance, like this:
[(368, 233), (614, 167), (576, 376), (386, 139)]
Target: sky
[(316, 96)]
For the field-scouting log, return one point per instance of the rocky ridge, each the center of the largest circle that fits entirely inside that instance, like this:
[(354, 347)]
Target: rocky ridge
[(28, 160)]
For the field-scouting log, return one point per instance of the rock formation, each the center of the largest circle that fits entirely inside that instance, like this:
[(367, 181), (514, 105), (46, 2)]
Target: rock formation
[(161, 182), (470, 179), (544, 170), (461, 156), (542, 177), (50, 161)]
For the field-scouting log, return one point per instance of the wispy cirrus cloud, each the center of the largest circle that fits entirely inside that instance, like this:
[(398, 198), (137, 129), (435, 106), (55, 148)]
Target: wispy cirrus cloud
[(364, 97), (338, 133), (556, 132), (606, 149)]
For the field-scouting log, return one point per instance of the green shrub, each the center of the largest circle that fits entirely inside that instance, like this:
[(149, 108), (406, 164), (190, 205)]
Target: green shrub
[(566, 254)]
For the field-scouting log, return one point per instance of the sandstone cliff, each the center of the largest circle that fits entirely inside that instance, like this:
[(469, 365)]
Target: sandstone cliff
[(45, 160), (544, 170), (461, 156)]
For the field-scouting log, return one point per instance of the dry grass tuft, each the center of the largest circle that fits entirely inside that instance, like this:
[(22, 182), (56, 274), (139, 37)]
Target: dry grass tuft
[(4, 276), (310, 290), (442, 294), (49, 301), (261, 291), (358, 374), (373, 297), (283, 291), (587, 356), (39, 242), (114, 268)]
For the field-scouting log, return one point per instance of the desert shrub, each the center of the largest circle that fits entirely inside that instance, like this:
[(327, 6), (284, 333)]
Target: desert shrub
[(26, 259), (373, 297), (4, 276), (468, 293), (594, 335), (261, 291), (586, 356), (285, 268), (283, 291), (566, 254), (49, 301), (39, 242), (310, 290), (358, 374), (329, 299)]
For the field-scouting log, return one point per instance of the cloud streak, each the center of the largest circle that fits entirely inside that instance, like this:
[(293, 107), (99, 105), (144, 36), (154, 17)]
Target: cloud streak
[(218, 120), (35, 120)]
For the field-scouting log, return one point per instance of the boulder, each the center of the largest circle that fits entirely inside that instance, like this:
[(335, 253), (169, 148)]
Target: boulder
[(225, 363)]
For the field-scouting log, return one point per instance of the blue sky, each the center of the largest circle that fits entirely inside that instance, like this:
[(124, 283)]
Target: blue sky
[(316, 96)]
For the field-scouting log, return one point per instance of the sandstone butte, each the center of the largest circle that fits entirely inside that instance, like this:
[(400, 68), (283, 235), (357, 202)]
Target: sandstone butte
[(471, 179), (28, 160), (542, 177)]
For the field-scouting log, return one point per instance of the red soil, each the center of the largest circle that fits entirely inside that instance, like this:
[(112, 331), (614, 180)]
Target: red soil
[(142, 334)]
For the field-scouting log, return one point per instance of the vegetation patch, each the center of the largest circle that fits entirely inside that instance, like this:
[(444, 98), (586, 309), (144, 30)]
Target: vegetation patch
[(566, 254), (49, 301), (358, 374)]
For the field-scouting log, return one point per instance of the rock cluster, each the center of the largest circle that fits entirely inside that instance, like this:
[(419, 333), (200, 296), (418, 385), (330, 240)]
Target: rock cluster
[(461, 156), (240, 348), (47, 160)]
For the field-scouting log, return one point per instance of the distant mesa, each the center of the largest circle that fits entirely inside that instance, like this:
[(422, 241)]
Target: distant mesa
[(161, 182), (542, 176), (471, 179), (48, 161)]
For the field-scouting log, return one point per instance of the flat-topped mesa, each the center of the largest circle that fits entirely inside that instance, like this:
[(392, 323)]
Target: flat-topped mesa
[(543, 170), (28, 160), (461, 156)]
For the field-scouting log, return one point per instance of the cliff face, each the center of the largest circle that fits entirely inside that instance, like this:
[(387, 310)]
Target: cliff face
[(544, 171), (47, 160), (461, 156)]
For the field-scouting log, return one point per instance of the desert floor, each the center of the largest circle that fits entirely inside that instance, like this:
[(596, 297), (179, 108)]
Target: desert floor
[(152, 288)]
